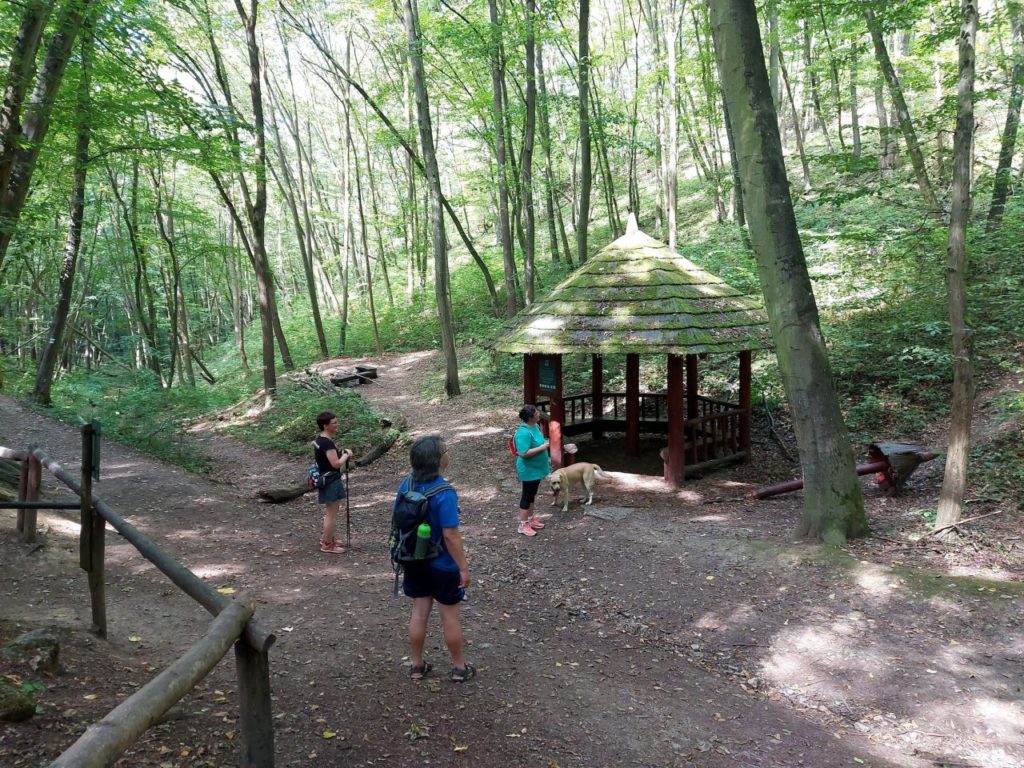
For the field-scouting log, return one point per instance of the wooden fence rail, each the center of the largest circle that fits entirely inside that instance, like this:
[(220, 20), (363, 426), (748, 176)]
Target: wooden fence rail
[(106, 740), (103, 742)]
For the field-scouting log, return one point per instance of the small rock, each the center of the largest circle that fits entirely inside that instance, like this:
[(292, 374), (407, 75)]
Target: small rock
[(754, 682), (39, 649)]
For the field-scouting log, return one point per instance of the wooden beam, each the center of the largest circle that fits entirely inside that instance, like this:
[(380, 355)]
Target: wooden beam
[(692, 386), (597, 394), (675, 462), (633, 404)]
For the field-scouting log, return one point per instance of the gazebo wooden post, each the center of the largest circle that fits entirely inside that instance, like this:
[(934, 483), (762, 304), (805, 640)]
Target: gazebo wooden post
[(633, 404), (745, 376), (597, 394), (529, 379), (675, 461), (549, 382), (692, 386)]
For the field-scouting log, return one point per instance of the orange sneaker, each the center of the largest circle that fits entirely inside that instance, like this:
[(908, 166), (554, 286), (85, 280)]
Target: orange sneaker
[(526, 529), (535, 523)]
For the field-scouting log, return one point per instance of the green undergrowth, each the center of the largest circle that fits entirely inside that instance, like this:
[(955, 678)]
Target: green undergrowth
[(290, 423)]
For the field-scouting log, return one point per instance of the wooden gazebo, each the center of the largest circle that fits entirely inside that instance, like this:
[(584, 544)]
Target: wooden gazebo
[(636, 296)]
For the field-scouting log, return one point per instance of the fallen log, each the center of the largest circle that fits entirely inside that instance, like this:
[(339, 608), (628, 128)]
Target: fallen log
[(378, 450), (796, 485), (281, 495)]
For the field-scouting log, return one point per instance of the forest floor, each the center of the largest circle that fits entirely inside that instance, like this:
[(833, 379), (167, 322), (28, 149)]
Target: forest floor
[(695, 631)]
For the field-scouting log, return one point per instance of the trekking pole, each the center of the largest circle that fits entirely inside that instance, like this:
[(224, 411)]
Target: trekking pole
[(348, 519)]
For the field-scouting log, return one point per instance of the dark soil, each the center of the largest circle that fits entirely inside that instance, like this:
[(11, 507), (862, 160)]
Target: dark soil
[(694, 632)]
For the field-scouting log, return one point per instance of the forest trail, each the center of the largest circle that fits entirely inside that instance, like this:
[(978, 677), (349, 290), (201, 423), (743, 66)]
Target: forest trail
[(692, 633)]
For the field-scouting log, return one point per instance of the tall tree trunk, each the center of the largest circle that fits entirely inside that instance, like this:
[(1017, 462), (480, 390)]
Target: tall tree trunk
[(53, 345), (257, 212), (498, 115), (854, 99), (545, 141), (526, 166), (887, 145), (833, 505), (954, 481), (37, 120), (1004, 167), (442, 288), (902, 115), (812, 85), (671, 148), (235, 280), (774, 51), (364, 235), (585, 165)]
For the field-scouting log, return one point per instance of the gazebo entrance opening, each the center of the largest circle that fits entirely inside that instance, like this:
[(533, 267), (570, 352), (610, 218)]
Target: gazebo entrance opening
[(676, 433)]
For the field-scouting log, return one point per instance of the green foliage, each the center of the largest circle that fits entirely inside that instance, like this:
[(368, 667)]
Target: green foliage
[(290, 425)]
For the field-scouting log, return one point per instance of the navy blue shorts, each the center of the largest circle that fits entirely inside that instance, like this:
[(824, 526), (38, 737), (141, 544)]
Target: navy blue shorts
[(424, 581), (333, 492)]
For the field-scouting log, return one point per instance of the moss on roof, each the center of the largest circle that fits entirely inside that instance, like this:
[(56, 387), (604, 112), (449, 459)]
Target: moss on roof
[(637, 296)]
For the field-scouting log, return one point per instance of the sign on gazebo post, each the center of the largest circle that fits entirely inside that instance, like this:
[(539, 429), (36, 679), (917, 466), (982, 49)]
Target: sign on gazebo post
[(549, 382)]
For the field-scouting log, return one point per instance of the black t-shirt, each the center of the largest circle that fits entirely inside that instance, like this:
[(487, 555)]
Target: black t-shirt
[(323, 445)]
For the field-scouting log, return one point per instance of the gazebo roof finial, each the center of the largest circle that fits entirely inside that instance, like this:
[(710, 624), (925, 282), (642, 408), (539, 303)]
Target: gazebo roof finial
[(631, 226)]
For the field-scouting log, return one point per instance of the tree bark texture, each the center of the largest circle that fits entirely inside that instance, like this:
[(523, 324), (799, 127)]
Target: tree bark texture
[(833, 505), (954, 481)]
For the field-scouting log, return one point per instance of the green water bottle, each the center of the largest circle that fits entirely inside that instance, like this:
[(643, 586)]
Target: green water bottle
[(422, 540)]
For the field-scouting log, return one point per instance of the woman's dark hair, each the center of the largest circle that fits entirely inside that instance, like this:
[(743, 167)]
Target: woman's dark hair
[(324, 419), (425, 457), (527, 412)]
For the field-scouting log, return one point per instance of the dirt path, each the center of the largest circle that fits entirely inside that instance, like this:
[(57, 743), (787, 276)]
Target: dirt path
[(692, 633)]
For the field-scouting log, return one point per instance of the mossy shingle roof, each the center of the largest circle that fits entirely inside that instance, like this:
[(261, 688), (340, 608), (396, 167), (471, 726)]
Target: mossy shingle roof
[(638, 296)]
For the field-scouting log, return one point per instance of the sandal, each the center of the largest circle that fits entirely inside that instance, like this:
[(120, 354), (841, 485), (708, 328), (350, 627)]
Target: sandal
[(457, 675), (332, 547), (421, 671)]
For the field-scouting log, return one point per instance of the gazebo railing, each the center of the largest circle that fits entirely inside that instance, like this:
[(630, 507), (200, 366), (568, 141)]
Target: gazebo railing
[(713, 433)]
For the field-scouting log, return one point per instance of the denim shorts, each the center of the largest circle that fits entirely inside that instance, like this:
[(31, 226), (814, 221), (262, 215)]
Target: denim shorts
[(333, 492), (421, 580)]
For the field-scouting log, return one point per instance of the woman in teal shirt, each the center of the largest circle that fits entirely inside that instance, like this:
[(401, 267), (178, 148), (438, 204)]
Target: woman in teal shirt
[(532, 466)]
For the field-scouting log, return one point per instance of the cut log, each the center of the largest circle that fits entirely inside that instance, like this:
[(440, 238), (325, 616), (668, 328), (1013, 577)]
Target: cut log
[(378, 450)]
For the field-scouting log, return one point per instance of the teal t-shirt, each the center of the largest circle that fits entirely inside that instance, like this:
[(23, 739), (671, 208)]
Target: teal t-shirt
[(535, 467)]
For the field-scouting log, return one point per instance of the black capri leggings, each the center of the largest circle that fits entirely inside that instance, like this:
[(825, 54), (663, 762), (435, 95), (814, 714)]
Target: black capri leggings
[(530, 488)]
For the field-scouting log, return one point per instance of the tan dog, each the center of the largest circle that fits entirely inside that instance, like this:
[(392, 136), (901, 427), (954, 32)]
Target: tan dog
[(562, 479)]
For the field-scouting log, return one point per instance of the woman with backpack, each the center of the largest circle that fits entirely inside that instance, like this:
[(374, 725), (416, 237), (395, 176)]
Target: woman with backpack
[(445, 575), (532, 466), (331, 465)]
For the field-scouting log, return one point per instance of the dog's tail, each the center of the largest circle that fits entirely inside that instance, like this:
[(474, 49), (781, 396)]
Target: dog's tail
[(600, 474)]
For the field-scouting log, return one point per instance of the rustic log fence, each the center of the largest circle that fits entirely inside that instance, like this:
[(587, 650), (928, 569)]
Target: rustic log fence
[(105, 741)]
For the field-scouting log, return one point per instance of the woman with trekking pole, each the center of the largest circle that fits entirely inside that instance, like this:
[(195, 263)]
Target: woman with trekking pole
[(331, 464)]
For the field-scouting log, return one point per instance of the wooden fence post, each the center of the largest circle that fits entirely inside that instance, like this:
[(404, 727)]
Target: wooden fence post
[(255, 719), (33, 480), (92, 551)]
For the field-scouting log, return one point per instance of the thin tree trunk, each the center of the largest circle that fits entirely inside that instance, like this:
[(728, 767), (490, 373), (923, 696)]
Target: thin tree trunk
[(53, 345), (498, 115), (887, 146), (671, 147), (366, 254), (854, 99), (442, 288), (903, 115), (549, 173), (526, 166), (812, 84), (954, 481), (833, 505), (585, 164), (1004, 167), (798, 130)]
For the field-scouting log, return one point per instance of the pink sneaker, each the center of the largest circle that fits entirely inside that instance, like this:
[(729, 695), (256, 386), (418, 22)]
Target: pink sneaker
[(535, 523), (525, 529)]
